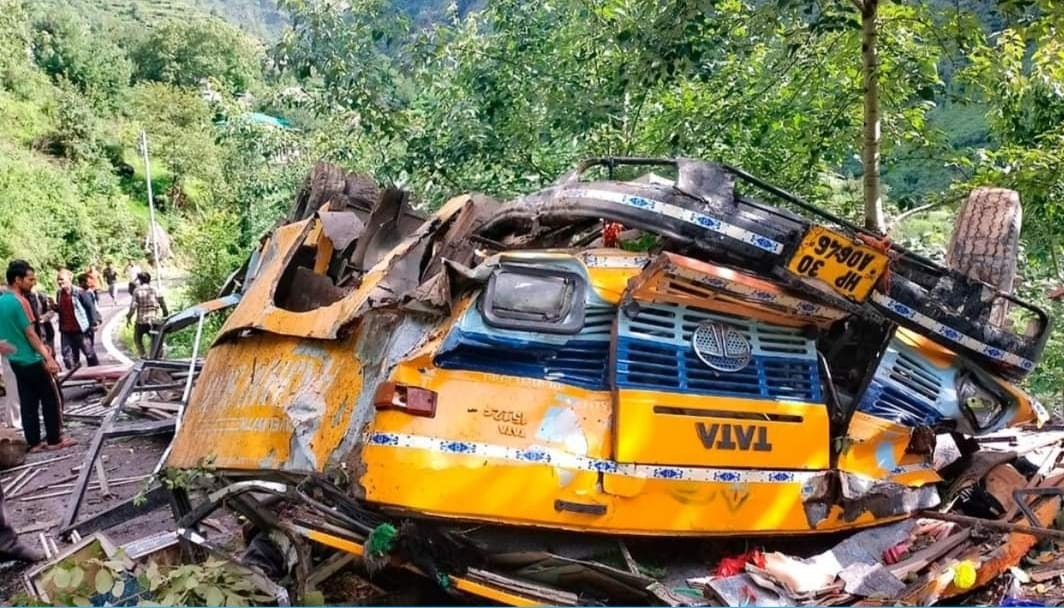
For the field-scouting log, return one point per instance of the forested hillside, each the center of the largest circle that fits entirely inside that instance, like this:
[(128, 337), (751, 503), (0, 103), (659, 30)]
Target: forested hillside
[(502, 97)]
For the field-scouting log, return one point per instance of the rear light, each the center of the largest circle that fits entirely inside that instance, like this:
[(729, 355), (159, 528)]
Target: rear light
[(413, 400)]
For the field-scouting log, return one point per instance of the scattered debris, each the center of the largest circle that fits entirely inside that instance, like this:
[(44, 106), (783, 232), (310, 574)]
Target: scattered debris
[(596, 376)]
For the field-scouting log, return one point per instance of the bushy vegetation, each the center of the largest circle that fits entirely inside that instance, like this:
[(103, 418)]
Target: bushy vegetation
[(503, 96)]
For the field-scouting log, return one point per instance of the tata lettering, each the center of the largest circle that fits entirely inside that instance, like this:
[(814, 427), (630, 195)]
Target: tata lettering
[(743, 437)]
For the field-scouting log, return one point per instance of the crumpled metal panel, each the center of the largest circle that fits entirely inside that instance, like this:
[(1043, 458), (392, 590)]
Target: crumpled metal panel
[(270, 402), (257, 309)]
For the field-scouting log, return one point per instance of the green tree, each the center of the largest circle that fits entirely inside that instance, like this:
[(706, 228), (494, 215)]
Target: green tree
[(182, 140), (186, 52), (67, 50)]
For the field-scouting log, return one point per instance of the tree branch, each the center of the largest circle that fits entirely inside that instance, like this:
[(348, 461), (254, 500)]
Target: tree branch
[(914, 211)]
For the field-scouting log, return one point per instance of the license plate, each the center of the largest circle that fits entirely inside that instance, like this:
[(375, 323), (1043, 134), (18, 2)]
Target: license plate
[(836, 261)]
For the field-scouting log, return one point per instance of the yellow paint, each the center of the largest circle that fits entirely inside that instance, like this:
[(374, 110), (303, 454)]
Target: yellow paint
[(829, 267), (494, 594), (470, 409), (463, 584), (646, 436), (875, 447), (242, 409), (506, 491), (332, 541), (936, 353)]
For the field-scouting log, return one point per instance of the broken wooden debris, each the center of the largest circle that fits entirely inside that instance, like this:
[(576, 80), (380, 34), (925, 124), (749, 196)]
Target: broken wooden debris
[(37, 463), (146, 376)]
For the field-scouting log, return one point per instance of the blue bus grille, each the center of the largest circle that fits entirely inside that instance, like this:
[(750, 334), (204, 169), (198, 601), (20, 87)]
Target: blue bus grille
[(907, 390), (654, 352)]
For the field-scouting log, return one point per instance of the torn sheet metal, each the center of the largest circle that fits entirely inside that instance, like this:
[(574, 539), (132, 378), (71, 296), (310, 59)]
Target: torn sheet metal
[(270, 402), (260, 311), (341, 228), (682, 280)]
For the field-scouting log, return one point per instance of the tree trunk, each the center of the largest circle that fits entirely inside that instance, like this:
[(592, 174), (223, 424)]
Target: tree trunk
[(873, 197)]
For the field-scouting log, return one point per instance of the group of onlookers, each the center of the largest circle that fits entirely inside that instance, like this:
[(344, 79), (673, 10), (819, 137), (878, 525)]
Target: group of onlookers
[(29, 322)]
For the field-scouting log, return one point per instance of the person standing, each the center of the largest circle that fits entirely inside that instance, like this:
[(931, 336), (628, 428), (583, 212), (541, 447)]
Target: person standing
[(33, 365), (43, 312), (78, 320), (10, 546), (110, 276), (132, 272), (92, 282), (146, 306), (85, 283)]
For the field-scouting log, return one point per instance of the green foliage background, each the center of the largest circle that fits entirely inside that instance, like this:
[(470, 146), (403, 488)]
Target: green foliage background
[(502, 96)]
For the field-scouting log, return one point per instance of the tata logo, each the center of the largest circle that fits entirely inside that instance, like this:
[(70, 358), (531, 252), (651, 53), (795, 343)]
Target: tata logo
[(738, 437), (721, 346)]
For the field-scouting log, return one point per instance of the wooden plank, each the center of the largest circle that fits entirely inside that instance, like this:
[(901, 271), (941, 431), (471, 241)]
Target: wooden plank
[(140, 429), (158, 405), (921, 559), (1047, 572), (22, 484), (34, 497), (37, 463), (101, 478), (9, 487)]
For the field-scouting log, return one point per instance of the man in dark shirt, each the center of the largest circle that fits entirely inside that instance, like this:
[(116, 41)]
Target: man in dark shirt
[(43, 312), (78, 320), (110, 276)]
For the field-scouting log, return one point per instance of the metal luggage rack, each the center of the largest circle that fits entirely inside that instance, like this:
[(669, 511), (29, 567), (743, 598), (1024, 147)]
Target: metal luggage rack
[(941, 304)]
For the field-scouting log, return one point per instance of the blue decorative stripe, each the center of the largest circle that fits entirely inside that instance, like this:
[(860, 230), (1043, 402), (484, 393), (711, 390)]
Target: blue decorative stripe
[(646, 364), (566, 460)]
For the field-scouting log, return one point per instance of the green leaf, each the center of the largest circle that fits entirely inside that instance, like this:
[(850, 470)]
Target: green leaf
[(214, 597), (80, 600), (314, 598), (192, 582), (104, 581), (154, 576), (234, 600), (77, 576), (61, 578), (119, 589)]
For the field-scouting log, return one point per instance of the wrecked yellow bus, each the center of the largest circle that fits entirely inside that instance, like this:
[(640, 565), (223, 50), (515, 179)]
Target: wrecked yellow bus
[(644, 348)]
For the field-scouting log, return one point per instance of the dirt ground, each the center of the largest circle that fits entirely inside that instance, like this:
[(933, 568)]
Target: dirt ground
[(34, 512)]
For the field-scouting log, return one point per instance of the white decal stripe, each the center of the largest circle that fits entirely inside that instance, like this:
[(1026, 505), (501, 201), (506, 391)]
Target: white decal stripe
[(562, 459), (685, 215), (950, 333)]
